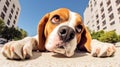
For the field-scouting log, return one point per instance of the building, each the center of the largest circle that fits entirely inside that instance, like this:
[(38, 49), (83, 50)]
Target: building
[(103, 15), (9, 12)]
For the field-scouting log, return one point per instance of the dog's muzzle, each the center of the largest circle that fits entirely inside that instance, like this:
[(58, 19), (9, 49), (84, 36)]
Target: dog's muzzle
[(66, 33)]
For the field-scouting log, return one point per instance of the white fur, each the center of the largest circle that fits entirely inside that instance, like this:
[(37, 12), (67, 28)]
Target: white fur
[(19, 49), (71, 46), (101, 49)]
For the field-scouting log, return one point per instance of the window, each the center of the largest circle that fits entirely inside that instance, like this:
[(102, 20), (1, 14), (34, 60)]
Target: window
[(17, 12), (103, 16), (98, 27), (101, 4), (12, 11), (15, 17), (103, 23), (8, 22), (96, 16), (119, 19), (88, 22), (95, 3), (2, 15), (104, 28), (5, 9), (90, 2), (91, 5), (111, 16), (7, 3), (18, 9), (102, 10), (117, 2), (118, 10), (114, 29), (91, 9), (108, 3), (13, 5), (14, 21), (97, 21), (10, 16), (12, 26), (112, 23), (109, 9)]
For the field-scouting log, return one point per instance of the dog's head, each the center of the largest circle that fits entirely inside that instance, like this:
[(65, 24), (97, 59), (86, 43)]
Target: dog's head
[(63, 31)]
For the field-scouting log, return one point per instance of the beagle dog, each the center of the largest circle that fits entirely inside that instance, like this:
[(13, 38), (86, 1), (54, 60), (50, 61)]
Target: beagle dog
[(60, 31)]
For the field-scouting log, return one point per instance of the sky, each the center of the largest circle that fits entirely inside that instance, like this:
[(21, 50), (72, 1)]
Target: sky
[(33, 10)]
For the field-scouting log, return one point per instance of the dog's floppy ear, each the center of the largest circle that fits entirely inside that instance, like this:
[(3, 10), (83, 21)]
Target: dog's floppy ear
[(85, 41), (41, 36)]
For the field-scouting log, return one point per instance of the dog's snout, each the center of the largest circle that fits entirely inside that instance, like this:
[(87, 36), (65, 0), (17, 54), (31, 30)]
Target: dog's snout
[(66, 33)]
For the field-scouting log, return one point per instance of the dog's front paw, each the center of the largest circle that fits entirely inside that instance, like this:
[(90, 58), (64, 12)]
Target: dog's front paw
[(103, 49), (16, 50)]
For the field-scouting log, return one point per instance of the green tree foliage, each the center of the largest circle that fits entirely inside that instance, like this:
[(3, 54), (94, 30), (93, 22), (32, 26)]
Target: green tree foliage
[(119, 38), (23, 32), (110, 36), (11, 33), (96, 35), (2, 25)]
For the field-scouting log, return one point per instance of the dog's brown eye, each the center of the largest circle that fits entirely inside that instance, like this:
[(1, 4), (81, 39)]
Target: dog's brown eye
[(78, 28), (55, 19)]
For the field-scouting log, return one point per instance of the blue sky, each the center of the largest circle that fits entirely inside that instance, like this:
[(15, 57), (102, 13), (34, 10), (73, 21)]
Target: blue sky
[(33, 10)]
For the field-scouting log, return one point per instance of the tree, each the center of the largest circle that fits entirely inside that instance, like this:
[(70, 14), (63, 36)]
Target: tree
[(11, 33), (23, 32), (119, 38), (109, 36), (2, 25), (96, 35)]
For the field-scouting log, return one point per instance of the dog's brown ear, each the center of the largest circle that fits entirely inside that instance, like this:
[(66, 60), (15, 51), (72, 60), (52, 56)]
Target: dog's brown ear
[(41, 36), (85, 41)]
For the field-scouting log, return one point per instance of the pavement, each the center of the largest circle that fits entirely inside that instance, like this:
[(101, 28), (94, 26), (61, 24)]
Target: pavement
[(48, 59)]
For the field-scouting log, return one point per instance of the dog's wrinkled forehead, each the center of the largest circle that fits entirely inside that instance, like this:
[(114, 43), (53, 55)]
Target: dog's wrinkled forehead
[(67, 16), (62, 17), (62, 13)]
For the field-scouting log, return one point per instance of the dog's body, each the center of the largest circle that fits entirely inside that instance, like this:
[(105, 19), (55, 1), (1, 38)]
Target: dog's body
[(60, 31)]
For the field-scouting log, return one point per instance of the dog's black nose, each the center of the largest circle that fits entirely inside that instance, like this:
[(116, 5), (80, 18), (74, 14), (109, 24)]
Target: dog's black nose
[(66, 33)]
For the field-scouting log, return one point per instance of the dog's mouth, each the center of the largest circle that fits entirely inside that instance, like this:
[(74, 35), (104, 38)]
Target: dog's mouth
[(58, 45), (55, 43), (65, 48), (61, 48), (61, 45)]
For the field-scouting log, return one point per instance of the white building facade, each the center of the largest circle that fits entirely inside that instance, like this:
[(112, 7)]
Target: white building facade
[(103, 15), (9, 12)]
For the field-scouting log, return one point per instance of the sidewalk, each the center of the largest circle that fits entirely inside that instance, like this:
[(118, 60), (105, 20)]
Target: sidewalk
[(51, 60)]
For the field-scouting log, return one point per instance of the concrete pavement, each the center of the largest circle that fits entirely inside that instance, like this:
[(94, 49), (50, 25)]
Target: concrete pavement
[(48, 59)]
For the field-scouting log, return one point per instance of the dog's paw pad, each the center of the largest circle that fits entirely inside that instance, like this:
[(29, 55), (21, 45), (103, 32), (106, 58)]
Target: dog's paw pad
[(16, 50), (96, 52), (103, 50)]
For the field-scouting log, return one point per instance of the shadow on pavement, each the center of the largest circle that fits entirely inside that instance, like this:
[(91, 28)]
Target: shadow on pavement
[(36, 55), (81, 54)]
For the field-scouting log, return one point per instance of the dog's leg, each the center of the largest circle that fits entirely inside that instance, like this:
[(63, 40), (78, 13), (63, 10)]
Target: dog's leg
[(20, 49), (100, 49)]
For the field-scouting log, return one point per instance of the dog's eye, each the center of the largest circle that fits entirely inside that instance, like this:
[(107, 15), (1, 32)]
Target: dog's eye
[(78, 28), (55, 19)]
